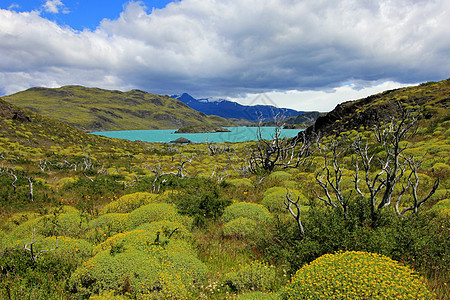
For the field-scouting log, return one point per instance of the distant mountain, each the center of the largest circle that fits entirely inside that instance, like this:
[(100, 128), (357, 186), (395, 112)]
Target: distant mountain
[(232, 110), (94, 109)]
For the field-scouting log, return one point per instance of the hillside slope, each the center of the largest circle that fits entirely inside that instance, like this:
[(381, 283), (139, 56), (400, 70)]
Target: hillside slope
[(94, 109), (433, 98), (22, 130)]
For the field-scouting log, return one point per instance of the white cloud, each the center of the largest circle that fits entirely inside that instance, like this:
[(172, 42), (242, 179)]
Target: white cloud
[(316, 100), (54, 6), (233, 48), (13, 6)]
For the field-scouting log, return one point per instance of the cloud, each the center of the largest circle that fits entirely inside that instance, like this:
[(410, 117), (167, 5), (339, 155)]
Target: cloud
[(233, 48), (54, 6), (13, 6), (317, 100)]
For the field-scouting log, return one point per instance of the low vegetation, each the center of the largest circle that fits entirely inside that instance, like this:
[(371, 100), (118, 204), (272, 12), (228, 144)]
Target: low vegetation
[(362, 214)]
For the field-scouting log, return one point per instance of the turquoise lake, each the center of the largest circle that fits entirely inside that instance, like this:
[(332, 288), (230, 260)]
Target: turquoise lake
[(237, 134)]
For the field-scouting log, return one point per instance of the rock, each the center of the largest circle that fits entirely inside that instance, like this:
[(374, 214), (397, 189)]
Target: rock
[(181, 140)]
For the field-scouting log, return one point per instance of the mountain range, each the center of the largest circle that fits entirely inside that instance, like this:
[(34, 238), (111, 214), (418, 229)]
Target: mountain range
[(233, 110)]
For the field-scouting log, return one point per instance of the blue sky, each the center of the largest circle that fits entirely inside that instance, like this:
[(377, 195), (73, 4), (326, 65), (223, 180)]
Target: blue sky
[(78, 14), (301, 54)]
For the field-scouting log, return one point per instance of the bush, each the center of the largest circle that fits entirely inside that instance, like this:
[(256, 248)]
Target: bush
[(153, 212), (107, 225), (356, 275), (174, 229), (240, 227), (128, 203), (241, 182), (274, 199), (251, 211), (442, 207), (280, 175), (141, 263), (255, 276), (203, 201), (259, 296)]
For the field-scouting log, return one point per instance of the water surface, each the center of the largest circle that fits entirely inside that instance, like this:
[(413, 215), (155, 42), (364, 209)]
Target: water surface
[(236, 134)]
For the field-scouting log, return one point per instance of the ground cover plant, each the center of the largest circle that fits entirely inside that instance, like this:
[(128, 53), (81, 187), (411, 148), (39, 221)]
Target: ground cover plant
[(85, 216)]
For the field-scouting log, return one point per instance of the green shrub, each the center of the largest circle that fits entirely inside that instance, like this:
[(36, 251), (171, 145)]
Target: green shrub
[(153, 212), (280, 175), (356, 275), (274, 198), (251, 211), (166, 228), (203, 200), (240, 227), (141, 263), (259, 296), (255, 276), (17, 219), (241, 182), (4, 240), (106, 226), (291, 185), (442, 207), (128, 203), (25, 229)]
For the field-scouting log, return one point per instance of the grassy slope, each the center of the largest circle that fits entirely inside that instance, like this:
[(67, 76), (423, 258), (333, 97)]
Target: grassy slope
[(94, 109), (433, 99)]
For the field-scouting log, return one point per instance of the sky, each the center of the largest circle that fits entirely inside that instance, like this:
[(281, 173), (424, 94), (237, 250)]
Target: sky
[(300, 54)]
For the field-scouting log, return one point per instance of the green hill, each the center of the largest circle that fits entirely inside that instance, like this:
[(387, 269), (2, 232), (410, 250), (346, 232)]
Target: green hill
[(94, 109), (433, 99)]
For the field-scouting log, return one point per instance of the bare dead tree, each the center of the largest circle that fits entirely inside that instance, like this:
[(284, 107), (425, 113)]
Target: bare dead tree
[(279, 151), (33, 254), (296, 214), (329, 178), (219, 177), (413, 181), (30, 181), (180, 171), (215, 149), (14, 181), (385, 154)]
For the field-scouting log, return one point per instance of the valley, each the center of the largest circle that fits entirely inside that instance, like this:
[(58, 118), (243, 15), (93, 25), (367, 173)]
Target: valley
[(365, 188)]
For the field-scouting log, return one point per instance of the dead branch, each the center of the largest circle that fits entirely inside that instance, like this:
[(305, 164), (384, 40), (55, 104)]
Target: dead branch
[(296, 214), (29, 247)]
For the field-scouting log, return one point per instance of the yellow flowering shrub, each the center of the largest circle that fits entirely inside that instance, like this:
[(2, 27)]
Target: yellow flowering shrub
[(25, 229), (259, 296), (442, 207), (69, 249), (240, 182), (166, 228), (255, 276), (251, 211), (66, 224), (240, 227), (274, 198), (106, 225), (154, 212), (4, 240), (108, 295), (17, 219), (280, 175), (356, 275), (128, 203), (142, 263)]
